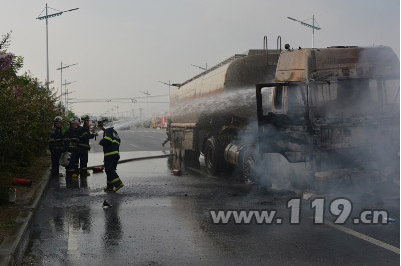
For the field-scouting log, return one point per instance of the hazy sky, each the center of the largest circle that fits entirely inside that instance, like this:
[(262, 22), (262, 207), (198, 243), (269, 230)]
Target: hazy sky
[(123, 47)]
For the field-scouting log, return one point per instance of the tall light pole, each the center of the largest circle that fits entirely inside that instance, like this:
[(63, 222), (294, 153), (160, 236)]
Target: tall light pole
[(169, 85), (133, 109), (309, 26), (61, 70), (66, 95), (117, 110), (147, 100), (201, 67), (47, 16)]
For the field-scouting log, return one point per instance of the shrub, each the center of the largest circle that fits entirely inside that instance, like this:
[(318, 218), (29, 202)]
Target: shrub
[(27, 109)]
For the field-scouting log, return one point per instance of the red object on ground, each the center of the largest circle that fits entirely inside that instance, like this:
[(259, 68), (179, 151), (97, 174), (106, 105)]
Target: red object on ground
[(22, 182), (176, 172), (98, 169)]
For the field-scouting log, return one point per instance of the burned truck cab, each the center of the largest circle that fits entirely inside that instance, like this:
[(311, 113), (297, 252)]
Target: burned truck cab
[(332, 109)]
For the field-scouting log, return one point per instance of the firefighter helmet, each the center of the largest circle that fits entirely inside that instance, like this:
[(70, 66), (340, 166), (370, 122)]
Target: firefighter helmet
[(74, 120), (100, 123), (85, 117), (58, 119)]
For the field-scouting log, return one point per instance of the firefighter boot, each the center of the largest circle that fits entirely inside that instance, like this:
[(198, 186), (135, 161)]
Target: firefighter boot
[(118, 187)]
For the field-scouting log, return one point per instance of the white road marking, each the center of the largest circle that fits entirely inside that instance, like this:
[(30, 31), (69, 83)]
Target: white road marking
[(73, 250), (133, 145), (362, 236)]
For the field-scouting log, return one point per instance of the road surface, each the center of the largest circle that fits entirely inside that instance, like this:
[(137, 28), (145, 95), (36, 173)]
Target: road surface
[(137, 139), (163, 219)]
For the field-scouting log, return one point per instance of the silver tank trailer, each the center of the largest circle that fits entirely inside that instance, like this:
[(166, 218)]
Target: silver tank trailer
[(227, 89)]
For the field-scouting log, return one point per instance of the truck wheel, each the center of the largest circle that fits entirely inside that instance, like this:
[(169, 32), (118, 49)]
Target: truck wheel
[(248, 169), (213, 157)]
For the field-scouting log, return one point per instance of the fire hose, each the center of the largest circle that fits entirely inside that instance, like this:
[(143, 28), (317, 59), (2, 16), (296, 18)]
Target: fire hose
[(134, 159)]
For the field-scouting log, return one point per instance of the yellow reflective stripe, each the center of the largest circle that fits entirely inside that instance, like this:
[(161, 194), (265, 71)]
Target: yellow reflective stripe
[(108, 138), (114, 180), (113, 141), (84, 133), (111, 153), (84, 145)]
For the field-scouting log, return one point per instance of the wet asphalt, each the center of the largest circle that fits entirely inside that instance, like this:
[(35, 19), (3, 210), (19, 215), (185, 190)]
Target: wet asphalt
[(137, 139), (163, 219)]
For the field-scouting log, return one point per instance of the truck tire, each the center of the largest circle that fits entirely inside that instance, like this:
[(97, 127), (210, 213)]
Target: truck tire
[(213, 156), (248, 169)]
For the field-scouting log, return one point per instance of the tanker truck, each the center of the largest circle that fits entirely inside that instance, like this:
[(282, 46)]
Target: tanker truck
[(208, 110), (306, 114)]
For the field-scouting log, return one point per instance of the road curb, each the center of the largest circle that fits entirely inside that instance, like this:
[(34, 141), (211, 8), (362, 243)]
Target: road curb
[(13, 247)]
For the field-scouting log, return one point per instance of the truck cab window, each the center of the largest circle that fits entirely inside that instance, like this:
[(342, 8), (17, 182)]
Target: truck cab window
[(267, 99), (278, 98), (296, 101)]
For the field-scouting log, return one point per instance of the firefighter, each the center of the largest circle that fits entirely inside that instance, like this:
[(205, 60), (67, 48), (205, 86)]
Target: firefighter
[(56, 145), (111, 147), (79, 128), (84, 136), (71, 142), (168, 133)]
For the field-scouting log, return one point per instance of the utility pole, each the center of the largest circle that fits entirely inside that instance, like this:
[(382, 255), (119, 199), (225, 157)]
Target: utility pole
[(309, 26), (117, 111), (61, 70), (169, 85), (201, 67), (47, 16), (66, 96), (147, 100)]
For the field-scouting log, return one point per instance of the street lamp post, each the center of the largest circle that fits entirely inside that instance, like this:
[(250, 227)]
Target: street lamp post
[(147, 100), (169, 85), (309, 26), (47, 16), (201, 67), (61, 70), (66, 95), (116, 111)]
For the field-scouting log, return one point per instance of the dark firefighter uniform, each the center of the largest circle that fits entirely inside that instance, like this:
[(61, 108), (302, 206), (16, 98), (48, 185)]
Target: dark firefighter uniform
[(84, 136), (168, 132), (111, 147), (56, 149), (71, 142)]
